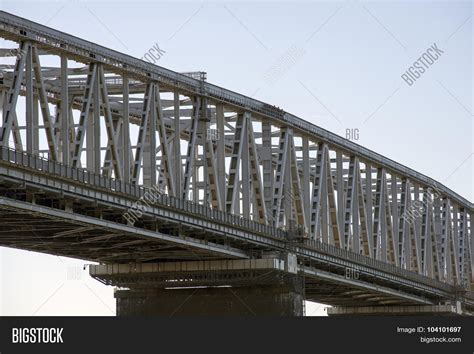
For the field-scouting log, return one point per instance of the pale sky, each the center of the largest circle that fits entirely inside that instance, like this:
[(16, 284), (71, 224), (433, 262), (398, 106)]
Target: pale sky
[(345, 71)]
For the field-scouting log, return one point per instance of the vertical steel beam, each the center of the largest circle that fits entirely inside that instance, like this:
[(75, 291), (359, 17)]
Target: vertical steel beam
[(48, 124), (395, 217), (246, 170), (305, 182), (84, 117), (336, 228), (29, 100), (349, 242), (297, 192), (470, 243), (212, 182), (12, 95), (166, 161), (267, 163), (316, 194), (65, 153), (234, 170), (142, 132), (280, 176), (259, 205), (365, 239), (189, 170), (112, 128), (149, 150), (324, 236), (93, 150), (434, 242), (444, 250), (288, 218), (403, 228), (424, 238), (125, 132), (340, 190), (453, 247), (391, 239), (368, 207), (462, 253), (220, 152), (379, 230), (177, 145)]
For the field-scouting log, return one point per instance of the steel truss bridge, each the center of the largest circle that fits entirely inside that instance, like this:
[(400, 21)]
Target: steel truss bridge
[(170, 182)]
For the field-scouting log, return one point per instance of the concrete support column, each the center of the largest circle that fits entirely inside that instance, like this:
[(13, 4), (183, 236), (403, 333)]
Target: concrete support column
[(273, 300), (249, 287)]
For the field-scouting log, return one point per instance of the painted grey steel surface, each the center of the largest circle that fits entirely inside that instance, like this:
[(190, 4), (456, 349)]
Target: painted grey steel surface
[(252, 179), (12, 26)]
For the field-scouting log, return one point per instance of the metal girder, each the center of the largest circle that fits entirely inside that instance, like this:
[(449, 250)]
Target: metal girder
[(177, 165), (232, 195), (453, 250), (369, 207), (149, 164), (12, 94), (412, 245), (306, 181), (296, 186), (461, 244), (436, 266), (352, 240), (86, 104), (403, 224), (279, 176), (445, 231), (64, 112), (379, 235), (245, 183), (190, 156), (254, 160), (340, 187), (336, 229), (29, 101), (165, 154), (317, 193), (43, 99), (392, 244), (142, 134), (395, 218), (125, 131), (470, 247), (267, 164), (109, 126), (212, 175), (364, 225)]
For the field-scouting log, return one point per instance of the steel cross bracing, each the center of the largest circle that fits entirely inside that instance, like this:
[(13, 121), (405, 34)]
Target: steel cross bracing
[(130, 121)]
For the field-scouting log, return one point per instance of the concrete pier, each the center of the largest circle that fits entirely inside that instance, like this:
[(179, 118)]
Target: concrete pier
[(225, 287)]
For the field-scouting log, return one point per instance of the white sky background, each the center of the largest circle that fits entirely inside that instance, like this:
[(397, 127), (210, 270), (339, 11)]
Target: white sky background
[(349, 59)]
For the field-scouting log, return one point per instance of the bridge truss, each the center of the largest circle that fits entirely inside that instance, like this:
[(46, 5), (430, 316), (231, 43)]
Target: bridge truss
[(111, 115)]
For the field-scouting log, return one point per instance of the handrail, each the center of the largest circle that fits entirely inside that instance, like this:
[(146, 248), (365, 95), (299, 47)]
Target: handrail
[(376, 264)]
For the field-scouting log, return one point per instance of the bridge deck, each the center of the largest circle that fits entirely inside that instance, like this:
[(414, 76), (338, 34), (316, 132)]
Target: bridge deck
[(43, 193)]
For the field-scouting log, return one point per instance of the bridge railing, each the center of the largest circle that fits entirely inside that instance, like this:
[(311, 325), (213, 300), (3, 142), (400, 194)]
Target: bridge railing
[(375, 263), (81, 175)]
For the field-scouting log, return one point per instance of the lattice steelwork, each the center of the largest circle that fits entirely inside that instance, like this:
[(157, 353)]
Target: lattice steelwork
[(124, 118)]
